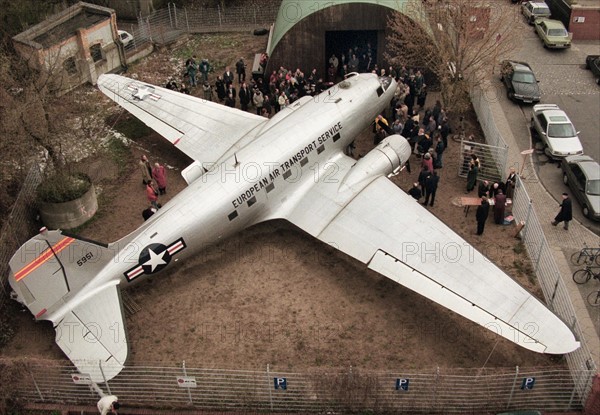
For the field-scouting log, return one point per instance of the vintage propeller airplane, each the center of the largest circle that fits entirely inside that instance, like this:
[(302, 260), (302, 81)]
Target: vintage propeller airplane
[(250, 169)]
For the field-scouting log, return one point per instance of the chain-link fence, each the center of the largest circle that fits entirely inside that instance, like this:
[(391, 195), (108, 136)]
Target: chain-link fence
[(350, 390), (17, 228), (166, 25)]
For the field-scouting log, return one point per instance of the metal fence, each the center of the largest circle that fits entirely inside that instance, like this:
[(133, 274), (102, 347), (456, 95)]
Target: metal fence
[(492, 160), (404, 391), (493, 155), (549, 278), (539, 251), (166, 25), (17, 228)]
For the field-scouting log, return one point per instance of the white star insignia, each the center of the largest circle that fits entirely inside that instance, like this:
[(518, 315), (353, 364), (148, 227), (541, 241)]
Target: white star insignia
[(155, 260), (142, 92)]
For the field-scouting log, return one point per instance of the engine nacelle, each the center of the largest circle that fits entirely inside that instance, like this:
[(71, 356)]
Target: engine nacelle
[(386, 158)]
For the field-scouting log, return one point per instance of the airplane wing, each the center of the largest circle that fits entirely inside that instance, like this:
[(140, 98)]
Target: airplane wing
[(203, 130), (385, 228), (92, 335)]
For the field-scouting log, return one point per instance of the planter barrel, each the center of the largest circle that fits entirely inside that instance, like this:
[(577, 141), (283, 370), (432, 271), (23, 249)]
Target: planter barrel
[(68, 215)]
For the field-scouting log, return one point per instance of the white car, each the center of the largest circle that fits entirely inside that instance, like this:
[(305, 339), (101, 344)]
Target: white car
[(556, 131), (126, 37), (534, 10)]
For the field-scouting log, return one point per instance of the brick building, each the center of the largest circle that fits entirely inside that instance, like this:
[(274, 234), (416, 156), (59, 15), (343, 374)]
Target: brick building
[(74, 46)]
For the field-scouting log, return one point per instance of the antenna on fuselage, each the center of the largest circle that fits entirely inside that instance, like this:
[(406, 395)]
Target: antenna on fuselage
[(237, 163)]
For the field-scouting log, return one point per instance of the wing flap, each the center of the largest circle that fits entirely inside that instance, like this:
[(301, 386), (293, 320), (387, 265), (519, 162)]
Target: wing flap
[(93, 335)]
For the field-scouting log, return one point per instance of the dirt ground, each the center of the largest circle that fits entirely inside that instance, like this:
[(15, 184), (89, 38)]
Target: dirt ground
[(274, 295)]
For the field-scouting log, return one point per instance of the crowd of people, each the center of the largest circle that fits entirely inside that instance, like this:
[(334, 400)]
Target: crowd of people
[(426, 129)]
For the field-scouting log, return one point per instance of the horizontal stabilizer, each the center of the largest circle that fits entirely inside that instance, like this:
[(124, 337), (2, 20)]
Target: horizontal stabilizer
[(93, 336)]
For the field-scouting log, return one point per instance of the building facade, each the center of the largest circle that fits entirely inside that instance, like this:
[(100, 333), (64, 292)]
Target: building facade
[(74, 46)]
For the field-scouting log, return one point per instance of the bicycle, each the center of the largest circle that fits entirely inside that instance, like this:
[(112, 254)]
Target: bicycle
[(593, 298), (581, 276), (586, 256)]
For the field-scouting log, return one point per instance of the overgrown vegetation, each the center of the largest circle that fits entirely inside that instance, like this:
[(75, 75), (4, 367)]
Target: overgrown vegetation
[(62, 187)]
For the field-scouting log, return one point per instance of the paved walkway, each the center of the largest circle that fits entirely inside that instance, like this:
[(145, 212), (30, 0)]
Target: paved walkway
[(562, 242)]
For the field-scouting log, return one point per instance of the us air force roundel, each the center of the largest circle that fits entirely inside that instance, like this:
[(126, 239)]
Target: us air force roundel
[(153, 258)]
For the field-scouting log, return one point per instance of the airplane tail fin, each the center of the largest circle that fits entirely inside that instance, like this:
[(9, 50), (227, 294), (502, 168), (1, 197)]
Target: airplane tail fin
[(46, 273), (52, 264)]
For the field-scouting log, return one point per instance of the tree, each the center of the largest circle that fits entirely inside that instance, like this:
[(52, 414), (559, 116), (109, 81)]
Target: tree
[(459, 41)]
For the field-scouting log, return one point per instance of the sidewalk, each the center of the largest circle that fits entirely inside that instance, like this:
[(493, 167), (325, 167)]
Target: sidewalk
[(562, 242)]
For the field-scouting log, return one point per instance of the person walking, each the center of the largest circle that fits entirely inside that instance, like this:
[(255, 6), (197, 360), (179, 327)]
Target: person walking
[(566, 212), (160, 177), (481, 215)]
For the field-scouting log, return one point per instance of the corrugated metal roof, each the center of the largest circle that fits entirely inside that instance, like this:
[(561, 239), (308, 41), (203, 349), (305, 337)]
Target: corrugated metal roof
[(292, 11)]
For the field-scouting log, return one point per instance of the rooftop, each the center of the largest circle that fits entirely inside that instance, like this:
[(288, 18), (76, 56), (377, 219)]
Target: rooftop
[(63, 25)]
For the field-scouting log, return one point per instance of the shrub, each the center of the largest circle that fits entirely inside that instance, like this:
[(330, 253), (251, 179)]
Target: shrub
[(63, 187)]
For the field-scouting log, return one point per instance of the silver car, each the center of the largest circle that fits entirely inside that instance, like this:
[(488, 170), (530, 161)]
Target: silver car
[(556, 131), (582, 175)]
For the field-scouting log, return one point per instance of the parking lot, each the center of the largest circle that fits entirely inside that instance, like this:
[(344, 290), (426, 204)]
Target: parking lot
[(563, 81)]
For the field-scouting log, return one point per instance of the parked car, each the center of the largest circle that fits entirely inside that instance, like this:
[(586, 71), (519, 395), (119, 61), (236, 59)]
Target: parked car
[(593, 62), (126, 37), (582, 175), (534, 10), (553, 33), (556, 131), (520, 81)]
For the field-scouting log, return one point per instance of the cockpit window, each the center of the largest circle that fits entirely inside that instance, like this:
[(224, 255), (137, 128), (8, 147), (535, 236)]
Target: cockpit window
[(379, 91), (385, 82)]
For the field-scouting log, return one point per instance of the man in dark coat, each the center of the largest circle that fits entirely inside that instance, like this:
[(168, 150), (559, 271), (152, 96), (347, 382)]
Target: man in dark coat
[(566, 212), (240, 68), (499, 206), (481, 215), (245, 96), (483, 189), (425, 173), (472, 176), (431, 184)]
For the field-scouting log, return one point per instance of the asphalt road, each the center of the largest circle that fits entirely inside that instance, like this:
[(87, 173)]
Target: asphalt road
[(563, 81)]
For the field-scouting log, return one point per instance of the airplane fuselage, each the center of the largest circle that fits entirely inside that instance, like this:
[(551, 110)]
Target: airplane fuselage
[(297, 147)]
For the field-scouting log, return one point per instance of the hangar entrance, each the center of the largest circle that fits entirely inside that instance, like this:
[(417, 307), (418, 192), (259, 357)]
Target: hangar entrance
[(339, 41)]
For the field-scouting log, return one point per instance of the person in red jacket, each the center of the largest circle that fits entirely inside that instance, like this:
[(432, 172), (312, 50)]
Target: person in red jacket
[(152, 194), (160, 177)]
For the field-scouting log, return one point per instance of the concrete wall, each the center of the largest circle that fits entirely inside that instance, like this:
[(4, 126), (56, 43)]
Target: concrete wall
[(571, 15), (71, 214)]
